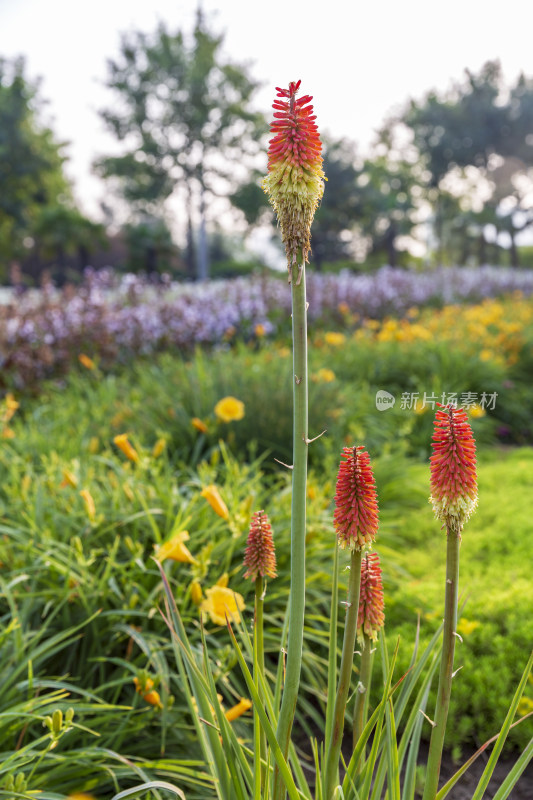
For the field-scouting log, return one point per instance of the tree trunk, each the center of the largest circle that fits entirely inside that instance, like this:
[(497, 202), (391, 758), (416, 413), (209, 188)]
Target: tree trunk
[(482, 252), (513, 250), (203, 256), (190, 255)]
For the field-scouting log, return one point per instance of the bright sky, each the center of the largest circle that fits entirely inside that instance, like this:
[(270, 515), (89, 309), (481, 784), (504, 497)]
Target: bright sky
[(359, 60)]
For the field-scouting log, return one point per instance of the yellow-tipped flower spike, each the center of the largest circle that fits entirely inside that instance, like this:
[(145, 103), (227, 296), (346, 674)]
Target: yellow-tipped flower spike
[(295, 180)]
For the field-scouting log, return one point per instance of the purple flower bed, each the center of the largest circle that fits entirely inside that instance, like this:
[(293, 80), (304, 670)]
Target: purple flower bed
[(115, 317)]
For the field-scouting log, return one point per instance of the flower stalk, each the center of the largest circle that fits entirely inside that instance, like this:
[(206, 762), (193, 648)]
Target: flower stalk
[(345, 674), (454, 498), (298, 517)]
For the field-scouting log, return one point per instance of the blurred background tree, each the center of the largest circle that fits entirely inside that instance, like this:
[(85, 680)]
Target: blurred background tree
[(475, 144), (184, 115), (39, 222)]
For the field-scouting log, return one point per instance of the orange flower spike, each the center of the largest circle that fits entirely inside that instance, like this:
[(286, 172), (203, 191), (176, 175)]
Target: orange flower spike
[(123, 444), (295, 180), (453, 468), (260, 555), (371, 617), (356, 506)]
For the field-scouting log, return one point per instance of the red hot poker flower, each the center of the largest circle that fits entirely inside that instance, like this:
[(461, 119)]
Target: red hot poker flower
[(295, 180), (356, 506), (260, 555), (371, 617), (453, 468)]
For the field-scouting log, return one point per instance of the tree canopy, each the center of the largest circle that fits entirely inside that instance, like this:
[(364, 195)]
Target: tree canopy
[(183, 115)]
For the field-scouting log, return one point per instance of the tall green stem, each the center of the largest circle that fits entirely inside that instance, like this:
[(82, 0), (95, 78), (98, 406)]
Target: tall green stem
[(446, 665), (299, 484), (345, 675), (363, 690), (260, 749)]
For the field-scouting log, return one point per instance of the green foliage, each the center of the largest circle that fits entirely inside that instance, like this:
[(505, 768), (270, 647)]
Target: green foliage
[(496, 552), (184, 118), (31, 163)]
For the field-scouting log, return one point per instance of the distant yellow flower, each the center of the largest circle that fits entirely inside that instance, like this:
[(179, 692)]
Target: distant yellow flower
[(81, 796), (11, 406), (89, 504), (196, 593), (223, 580), (221, 602), (128, 491), (284, 352), (199, 425), (86, 361), (175, 549), (229, 409), (94, 445), (476, 411), (324, 375), (212, 495), (335, 339), (259, 330), (149, 694), (8, 433), (158, 447), (419, 407), (466, 626), (69, 479), (237, 711), (525, 706), (122, 442), (343, 308)]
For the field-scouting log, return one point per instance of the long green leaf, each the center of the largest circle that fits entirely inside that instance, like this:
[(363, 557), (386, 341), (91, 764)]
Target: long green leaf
[(283, 767), (489, 769)]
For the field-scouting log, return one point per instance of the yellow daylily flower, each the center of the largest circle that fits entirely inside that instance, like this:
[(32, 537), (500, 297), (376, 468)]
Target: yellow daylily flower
[(123, 444), (238, 710), (175, 549), (229, 409), (69, 479), (212, 495), (199, 424), (89, 504), (466, 626), (324, 375), (196, 593), (158, 447), (334, 338), (86, 361), (221, 603)]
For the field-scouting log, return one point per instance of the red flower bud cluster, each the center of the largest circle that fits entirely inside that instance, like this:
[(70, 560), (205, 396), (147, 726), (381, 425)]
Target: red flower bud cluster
[(453, 468), (260, 555), (356, 506), (371, 617)]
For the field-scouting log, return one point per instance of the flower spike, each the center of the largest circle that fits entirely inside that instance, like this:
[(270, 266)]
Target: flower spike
[(356, 506), (371, 617), (295, 180), (260, 556), (453, 468)]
